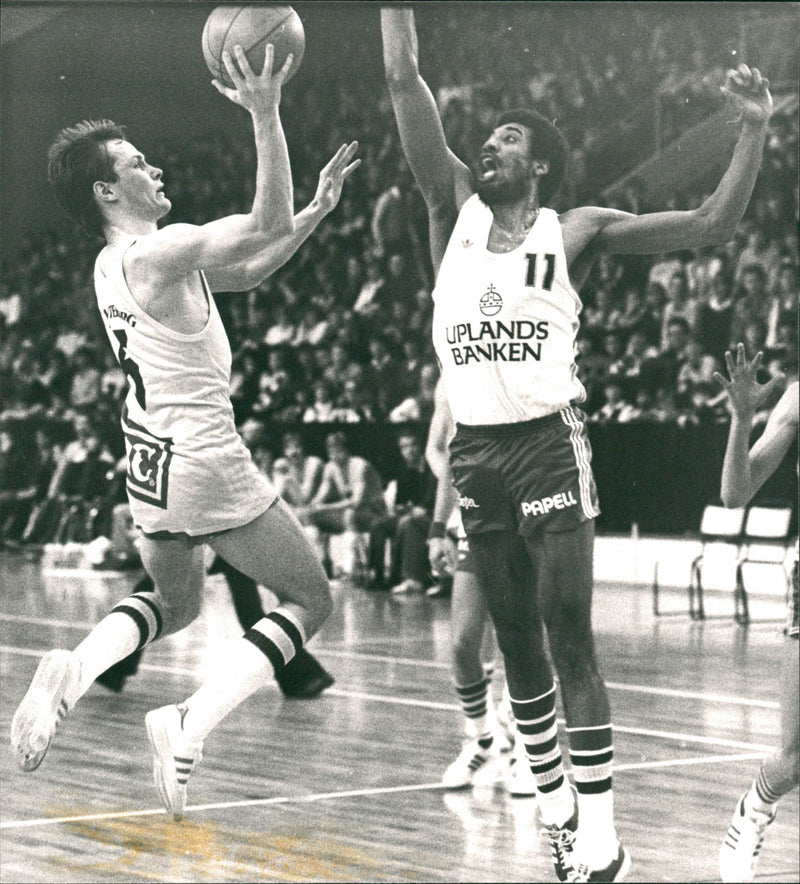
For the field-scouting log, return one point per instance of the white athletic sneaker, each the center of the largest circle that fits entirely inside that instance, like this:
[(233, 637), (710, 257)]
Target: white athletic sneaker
[(471, 759), (505, 720), (519, 779), (742, 844), (616, 870), (43, 707), (174, 756)]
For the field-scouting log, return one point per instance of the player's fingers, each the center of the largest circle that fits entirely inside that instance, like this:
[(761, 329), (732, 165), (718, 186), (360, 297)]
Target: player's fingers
[(233, 71), (744, 70), (719, 379), (351, 168), (775, 382), (756, 363), (740, 358), (729, 363), (283, 73), (248, 74)]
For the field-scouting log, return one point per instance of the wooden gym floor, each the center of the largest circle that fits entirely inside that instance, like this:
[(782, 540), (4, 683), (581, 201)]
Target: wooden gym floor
[(346, 787)]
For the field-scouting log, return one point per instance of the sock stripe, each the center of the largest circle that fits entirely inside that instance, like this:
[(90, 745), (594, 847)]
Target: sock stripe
[(473, 698), (591, 759), (591, 751), (531, 710), (291, 627), (763, 789), (143, 597), (536, 722), (540, 726), (267, 647), (143, 615), (595, 787)]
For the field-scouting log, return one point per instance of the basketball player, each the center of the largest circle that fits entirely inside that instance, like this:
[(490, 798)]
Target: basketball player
[(471, 633), (191, 480), (743, 473), (504, 328)]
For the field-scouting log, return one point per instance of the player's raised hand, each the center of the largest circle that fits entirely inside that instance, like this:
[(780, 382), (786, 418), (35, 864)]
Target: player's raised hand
[(748, 96), (744, 391), (257, 93), (334, 174)]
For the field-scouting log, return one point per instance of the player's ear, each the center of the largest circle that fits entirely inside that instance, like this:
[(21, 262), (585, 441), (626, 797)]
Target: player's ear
[(103, 191), (541, 167)]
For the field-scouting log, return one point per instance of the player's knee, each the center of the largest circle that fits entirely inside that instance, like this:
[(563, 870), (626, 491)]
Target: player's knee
[(574, 659), (178, 610)]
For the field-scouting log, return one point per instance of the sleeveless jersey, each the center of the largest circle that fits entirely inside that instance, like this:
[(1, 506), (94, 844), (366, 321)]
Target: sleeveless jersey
[(504, 325), (188, 469)]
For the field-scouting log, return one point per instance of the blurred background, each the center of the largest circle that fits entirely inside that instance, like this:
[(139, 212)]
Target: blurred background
[(340, 337)]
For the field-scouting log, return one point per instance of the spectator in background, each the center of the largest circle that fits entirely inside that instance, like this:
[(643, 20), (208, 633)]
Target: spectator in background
[(296, 474), (357, 404), (348, 501), (655, 297), (661, 373), (84, 390), (25, 473), (715, 317), (781, 307), (696, 371), (282, 329), (663, 267), (750, 298), (79, 484), (760, 251), (680, 303), (406, 524), (418, 407), (614, 403), (323, 409), (382, 373)]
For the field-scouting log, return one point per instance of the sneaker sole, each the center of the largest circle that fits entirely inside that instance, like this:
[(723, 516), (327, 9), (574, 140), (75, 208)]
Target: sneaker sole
[(42, 708), (162, 749)]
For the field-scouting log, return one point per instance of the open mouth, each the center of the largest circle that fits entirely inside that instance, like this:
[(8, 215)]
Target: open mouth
[(487, 166)]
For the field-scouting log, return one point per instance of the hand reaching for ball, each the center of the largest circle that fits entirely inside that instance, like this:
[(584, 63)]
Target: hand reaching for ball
[(257, 93), (333, 176), (748, 95)]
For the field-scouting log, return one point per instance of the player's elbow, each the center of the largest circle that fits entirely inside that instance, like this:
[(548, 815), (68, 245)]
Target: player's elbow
[(714, 227)]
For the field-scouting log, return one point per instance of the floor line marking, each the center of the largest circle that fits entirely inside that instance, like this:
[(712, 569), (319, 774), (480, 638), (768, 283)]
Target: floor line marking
[(350, 793), (452, 707), (355, 655)]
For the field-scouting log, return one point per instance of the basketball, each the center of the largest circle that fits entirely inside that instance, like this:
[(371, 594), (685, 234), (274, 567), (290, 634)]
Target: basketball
[(252, 28)]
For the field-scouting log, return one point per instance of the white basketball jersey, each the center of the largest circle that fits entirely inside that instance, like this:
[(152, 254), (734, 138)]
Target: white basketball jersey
[(188, 469), (505, 325)]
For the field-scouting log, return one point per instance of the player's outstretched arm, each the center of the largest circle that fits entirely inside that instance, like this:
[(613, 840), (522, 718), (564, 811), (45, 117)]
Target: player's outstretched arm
[(436, 169), (179, 249), (744, 471), (750, 102), (249, 273)]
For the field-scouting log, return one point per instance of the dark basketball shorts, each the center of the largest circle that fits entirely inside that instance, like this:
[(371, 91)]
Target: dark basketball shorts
[(792, 627), (525, 476)]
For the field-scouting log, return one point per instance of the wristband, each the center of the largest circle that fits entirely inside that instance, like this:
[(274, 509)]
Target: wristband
[(437, 530)]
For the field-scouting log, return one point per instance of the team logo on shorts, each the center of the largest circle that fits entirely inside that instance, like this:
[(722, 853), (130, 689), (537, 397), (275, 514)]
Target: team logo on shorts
[(149, 458), (491, 303)]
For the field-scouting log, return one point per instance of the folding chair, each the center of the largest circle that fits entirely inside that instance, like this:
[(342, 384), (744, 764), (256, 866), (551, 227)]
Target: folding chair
[(720, 529), (765, 541)]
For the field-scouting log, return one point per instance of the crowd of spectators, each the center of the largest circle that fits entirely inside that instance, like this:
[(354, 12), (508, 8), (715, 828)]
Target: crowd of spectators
[(341, 334)]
